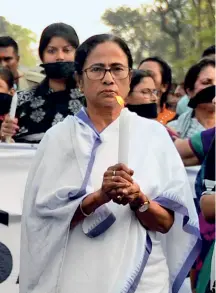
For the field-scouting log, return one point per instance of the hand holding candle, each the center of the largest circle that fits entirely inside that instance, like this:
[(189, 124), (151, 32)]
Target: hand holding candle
[(12, 113)]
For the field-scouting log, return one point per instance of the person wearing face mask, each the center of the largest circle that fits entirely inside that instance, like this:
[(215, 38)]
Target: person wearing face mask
[(200, 86), (163, 81), (56, 97), (142, 98), (183, 103), (6, 91)]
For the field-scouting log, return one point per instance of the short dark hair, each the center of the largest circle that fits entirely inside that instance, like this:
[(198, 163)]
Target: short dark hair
[(86, 48), (209, 51), (7, 41), (7, 76), (166, 74), (194, 71), (62, 30), (137, 76)]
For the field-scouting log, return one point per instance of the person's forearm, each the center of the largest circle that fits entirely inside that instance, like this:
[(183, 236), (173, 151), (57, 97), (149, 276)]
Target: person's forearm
[(207, 204), (89, 205), (156, 218), (189, 162), (186, 153)]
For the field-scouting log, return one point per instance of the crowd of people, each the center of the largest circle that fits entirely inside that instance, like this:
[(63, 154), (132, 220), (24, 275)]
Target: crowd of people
[(91, 222)]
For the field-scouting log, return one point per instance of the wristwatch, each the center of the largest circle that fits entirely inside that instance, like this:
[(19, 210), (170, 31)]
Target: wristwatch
[(144, 207), (140, 205)]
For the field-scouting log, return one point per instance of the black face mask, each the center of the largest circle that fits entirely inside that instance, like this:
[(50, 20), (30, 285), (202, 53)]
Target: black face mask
[(59, 70), (204, 96), (144, 110), (5, 103)]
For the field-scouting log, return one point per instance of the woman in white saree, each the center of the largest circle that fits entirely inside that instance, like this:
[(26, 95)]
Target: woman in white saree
[(93, 225)]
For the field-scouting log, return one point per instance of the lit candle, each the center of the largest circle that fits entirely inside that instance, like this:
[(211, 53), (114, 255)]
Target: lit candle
[(12, 111), (124, 130)]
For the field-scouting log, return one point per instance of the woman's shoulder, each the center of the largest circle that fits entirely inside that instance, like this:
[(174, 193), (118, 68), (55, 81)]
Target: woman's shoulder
[(186, 115), (61, 130), (25, 96)]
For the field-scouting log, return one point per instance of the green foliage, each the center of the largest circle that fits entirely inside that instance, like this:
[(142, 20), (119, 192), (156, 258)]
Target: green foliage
[(24, 37), (176, 30)]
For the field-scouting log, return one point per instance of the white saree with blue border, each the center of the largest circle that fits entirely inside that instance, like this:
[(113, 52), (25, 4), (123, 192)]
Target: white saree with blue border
[(110, 251)]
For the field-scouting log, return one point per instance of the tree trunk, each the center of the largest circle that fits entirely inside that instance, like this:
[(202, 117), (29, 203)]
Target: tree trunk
[(197, 6), (178, 53), (210, 9)]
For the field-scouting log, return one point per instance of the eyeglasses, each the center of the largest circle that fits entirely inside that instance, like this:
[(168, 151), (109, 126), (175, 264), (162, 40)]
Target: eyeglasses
[(148, 92), (99, 72)]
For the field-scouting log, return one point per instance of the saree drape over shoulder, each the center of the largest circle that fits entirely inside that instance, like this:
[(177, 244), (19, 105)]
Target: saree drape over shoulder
[(110, 251)]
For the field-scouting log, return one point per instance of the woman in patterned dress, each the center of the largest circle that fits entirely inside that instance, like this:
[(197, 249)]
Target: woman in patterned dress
[(56, 97)]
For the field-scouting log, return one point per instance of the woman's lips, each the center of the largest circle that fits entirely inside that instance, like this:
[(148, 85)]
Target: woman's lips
[(108, 93)]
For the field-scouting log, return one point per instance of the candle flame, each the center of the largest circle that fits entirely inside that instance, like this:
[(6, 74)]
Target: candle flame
[(120, 101)]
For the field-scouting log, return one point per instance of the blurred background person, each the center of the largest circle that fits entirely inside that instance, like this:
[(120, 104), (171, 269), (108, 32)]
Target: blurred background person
[(56, 96), (143, 95), (182, 105), (200, 150), (179, 91), (9, 58), (6, 91), (172, 98), (202, 115), (209, 52), (163, 80)]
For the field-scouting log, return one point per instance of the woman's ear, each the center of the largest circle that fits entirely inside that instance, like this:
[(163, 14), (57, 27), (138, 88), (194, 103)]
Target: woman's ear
[(79, 81)]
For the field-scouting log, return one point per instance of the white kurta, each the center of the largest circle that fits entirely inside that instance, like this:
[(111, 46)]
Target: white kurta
[(156, 266), (109, 252)]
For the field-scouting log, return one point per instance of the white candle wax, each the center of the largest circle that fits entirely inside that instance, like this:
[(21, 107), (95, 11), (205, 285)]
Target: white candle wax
[(13, 106), (124, 131), (12, 112)]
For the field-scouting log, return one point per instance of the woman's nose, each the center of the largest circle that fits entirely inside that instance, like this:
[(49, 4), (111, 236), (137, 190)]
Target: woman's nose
[(108, 79), (60, 56), (154, 98)]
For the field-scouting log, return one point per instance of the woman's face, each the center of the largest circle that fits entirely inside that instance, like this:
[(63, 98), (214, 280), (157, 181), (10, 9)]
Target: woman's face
[(155, 68), (58, 50), (102, 92), (205, 79), (143, 93), (4, 88)]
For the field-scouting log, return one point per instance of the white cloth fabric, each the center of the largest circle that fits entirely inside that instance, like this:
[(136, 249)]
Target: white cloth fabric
[(15, 161), (213, 275), (186, 125), (157, 261), (111, 259), (192, 175)]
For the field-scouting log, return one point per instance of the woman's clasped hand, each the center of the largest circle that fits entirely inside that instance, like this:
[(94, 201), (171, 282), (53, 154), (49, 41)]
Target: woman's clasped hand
[(119, 186)]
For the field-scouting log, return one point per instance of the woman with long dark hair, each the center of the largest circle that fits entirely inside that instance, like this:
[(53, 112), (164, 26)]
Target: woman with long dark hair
[(56, 97), (200, 85), (163, 79)]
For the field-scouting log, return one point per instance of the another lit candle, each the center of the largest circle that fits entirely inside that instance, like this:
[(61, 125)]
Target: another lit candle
[(12, 112)]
